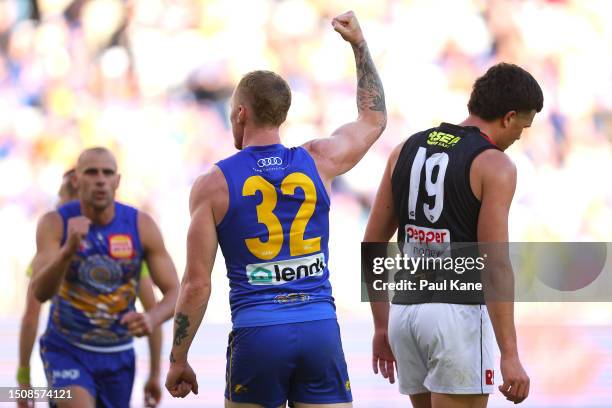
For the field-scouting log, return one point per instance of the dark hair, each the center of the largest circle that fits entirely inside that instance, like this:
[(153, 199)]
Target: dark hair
[(267, 94), (504, 88)]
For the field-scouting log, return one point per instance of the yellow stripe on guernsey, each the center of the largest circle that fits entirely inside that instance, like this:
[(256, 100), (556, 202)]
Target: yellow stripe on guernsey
[(442, 139)]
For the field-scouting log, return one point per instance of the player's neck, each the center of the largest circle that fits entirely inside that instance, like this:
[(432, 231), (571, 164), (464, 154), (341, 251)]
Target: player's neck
[(98, 217), (260, 136), (485, 127)]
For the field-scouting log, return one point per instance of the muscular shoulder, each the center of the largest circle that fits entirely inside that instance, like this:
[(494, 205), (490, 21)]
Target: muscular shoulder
[(49, 231), (210, 188), (494, 164), (492, 168), (51, 224)]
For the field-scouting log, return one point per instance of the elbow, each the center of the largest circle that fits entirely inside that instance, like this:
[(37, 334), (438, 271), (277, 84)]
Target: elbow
[(377, 123), (39, 293), (196, 288)]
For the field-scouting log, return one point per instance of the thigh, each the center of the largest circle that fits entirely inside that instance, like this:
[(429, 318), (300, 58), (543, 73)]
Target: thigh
[(457, 339), (65, 366), (114, 378), (260, 362), (410, 357), (321, 377), (79, 398), (458, 401), (421, 400)]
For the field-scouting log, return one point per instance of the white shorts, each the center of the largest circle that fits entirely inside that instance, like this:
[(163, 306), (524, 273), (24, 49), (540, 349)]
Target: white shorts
[(442, 348)]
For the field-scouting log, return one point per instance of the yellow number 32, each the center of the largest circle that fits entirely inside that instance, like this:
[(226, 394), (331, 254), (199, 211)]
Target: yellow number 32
[(297, 244)]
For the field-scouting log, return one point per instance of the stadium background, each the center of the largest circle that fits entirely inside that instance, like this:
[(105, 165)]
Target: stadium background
[(151, 79)]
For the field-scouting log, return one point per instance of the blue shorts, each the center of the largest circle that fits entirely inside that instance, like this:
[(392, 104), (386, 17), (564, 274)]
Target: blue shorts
[(295, 362), (107, 376)]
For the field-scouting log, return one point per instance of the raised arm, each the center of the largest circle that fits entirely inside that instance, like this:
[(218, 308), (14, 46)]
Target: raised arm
[(382, 224), (493, 178), (52, 260), (196, 284), (337, 154), (163, 274)]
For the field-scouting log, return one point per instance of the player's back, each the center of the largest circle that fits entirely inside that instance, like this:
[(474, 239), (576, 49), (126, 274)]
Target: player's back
[(274, 237), (432, 192)]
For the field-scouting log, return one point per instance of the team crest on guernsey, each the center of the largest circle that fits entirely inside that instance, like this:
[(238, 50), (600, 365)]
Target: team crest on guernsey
[(120, 246)]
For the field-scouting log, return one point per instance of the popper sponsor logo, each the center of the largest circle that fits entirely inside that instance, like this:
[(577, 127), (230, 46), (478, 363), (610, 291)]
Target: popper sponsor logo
[(281, 272), (426, 235), (121, 246)]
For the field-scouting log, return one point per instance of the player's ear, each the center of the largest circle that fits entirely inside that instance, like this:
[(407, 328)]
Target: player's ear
[(117, 180), (508, 118), (74, 182), (241, 116)]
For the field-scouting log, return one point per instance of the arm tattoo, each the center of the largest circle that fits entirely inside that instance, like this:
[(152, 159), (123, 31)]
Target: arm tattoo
[(172, 359), (370, 92), (182, 323)]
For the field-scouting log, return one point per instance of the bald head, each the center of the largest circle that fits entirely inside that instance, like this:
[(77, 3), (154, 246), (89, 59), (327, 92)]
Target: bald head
[(97, 178), (92, 154)]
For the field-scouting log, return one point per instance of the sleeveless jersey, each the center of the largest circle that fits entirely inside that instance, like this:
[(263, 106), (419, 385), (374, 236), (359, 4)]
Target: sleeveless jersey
[(101, 283), (432, 193), (274, 237)]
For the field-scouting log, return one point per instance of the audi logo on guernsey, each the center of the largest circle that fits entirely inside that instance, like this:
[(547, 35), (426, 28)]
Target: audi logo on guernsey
[(269, 161)]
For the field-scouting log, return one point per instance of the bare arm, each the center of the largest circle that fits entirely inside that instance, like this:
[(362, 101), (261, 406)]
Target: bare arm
[(147, 298), (382, 224), (196, 284), (27, 334), (207, 192), (337, 154), (495, 175), (161, 269), (51, 261), (152, 387)]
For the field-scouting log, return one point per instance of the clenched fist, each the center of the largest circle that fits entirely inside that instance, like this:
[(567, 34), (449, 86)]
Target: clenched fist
[(77, 229), (348, 27), (138, 324)]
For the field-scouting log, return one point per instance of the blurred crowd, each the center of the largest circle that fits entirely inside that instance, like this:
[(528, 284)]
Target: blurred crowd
[(151, 79)]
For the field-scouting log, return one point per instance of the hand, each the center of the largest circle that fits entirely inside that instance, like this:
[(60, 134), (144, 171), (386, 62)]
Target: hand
[(181, 380), (24, 402), (382, 356), (77, 229), (152, 392), (348, 27), (516, 382), (139, 324)]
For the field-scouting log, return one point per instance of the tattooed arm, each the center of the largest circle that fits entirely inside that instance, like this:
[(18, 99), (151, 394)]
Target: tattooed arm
[(337, 154), (196, 284)]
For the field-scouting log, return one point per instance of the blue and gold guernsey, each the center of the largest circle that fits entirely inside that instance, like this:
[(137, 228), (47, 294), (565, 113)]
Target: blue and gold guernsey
[(274, 237), (101, 283)]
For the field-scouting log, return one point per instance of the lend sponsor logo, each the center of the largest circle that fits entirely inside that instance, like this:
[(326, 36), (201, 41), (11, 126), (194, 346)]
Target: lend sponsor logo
[(120, 246), (426, 235), (289, 270)]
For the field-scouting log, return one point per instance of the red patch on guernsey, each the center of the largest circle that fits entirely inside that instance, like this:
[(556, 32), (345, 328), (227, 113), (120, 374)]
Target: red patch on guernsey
[(489, 376), (120, 246)]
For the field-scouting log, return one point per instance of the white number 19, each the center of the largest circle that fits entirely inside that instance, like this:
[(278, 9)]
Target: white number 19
[(433, 188)]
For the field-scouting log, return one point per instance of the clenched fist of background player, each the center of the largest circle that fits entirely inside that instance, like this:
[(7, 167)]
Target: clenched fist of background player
[(347, 26)]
